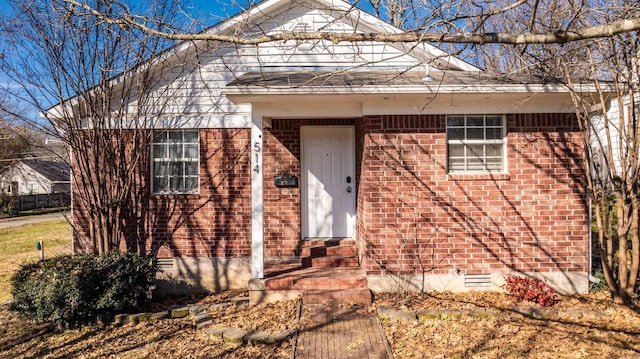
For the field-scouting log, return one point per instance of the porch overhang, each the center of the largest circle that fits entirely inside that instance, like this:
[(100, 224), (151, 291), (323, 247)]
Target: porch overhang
[(383, 92)]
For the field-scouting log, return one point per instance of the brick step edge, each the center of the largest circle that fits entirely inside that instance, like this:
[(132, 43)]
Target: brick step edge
[(353, 296), (330, 262), (344, 251), (328, 243), (321, 283), (316, 283)]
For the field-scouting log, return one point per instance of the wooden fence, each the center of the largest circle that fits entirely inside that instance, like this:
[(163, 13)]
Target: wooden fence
[(15, 204)]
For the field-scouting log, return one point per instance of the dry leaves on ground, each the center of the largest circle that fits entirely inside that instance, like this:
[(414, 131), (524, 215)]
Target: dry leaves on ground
[(493, 331), (175, 338), (496, 331)]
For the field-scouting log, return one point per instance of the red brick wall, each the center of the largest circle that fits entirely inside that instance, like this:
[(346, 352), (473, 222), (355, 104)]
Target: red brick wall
[(414, 217), (411, 215), (216, 222)]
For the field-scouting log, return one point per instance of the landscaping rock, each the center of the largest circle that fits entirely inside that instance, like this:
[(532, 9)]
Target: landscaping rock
[(204, 324), (120, 319), (178, 311), (450, 314), (570, 314), (215, 306), (427, 314), (281, 336), (389, 312), (259, 337), (240, 301), (159, 316), (139, 318), (233, 336), (592, 314), (536, 312), (202, 317), (197, 309), (216, 333), (544, 313), (523, 310)]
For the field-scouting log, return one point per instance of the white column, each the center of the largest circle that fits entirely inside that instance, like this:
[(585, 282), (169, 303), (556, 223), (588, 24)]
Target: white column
[(257, 205)]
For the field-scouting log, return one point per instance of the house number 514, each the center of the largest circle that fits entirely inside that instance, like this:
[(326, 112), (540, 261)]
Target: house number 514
[(257, 148)]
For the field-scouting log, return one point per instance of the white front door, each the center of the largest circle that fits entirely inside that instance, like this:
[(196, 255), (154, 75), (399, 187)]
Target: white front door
[(328, 181)]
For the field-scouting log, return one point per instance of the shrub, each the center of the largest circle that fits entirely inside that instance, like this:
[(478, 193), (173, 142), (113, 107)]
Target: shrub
[(529, 289), (74, 290), (128, 281)]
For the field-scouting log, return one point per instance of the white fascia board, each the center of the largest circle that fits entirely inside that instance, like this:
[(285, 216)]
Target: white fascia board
[(260, 9), (235, 92)]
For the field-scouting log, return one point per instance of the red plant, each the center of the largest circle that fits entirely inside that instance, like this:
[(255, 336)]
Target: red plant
[(529, 289)]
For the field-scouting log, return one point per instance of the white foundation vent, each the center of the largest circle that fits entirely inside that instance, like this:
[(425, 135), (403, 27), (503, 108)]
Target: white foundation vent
[(477, 280), (165, 263)]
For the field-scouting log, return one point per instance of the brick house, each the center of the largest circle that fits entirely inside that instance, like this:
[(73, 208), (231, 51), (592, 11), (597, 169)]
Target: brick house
[(317, 167)]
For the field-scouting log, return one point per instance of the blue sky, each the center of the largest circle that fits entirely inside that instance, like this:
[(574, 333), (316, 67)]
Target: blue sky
[(207, 11)]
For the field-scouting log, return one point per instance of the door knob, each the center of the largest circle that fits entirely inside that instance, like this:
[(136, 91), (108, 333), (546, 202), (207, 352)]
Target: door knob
[(349, 189)]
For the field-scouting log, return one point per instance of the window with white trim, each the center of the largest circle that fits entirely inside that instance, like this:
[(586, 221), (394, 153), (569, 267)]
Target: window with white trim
[(176, 161), (475, 143)]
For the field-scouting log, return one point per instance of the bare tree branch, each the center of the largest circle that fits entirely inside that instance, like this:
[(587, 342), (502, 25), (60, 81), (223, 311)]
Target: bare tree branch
[(559, 36)]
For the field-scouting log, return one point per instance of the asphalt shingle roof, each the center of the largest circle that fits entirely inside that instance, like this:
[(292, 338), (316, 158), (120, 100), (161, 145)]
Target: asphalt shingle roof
[(52, 170), (297, 79)]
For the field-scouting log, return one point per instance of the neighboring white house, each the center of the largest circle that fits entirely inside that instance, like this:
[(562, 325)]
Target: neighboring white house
[(31, 176), (612, 133)]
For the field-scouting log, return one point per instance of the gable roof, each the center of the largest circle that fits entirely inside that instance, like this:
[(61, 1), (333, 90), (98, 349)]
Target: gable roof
[(266, 8), (54, 171)]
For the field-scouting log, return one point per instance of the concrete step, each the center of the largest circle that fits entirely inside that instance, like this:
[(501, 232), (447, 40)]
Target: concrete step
[(347, 296), (330, 262)]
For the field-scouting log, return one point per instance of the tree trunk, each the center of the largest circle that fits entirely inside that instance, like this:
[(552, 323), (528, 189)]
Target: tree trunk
[(622, 211)]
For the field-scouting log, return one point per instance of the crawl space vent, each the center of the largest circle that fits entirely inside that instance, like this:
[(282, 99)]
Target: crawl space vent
[(477, 280), (166, 263)]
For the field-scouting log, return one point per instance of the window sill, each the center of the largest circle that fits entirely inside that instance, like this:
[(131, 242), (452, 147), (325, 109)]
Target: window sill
[(478, 176), (175, 195)]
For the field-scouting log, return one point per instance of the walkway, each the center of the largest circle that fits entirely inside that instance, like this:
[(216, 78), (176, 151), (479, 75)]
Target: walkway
[(19, 221), (340, 333)]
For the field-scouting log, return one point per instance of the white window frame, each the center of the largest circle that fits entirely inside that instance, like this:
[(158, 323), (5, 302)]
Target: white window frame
[(157, 146), (502, 141)]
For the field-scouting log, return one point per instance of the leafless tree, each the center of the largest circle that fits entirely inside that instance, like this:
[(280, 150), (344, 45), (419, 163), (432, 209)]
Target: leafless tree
[(611, 134), (105, 104), (610, 130), (451, 21)]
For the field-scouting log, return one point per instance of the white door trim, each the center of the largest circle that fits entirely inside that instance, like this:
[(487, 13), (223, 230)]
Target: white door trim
[(305, 131)]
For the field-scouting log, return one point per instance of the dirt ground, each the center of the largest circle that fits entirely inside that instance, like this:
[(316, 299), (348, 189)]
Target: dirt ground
[(493, 330)]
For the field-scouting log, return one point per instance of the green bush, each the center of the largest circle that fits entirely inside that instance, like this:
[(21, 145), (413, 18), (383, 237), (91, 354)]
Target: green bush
[(74, 290)]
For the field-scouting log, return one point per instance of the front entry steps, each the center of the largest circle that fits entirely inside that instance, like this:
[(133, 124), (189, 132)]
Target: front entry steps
[(327, 272)]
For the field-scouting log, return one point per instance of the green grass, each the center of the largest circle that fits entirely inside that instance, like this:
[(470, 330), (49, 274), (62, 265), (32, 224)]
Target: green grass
[(18, 247)]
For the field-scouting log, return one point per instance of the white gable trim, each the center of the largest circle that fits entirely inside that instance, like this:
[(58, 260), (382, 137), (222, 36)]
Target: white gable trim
[(268, 7)]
